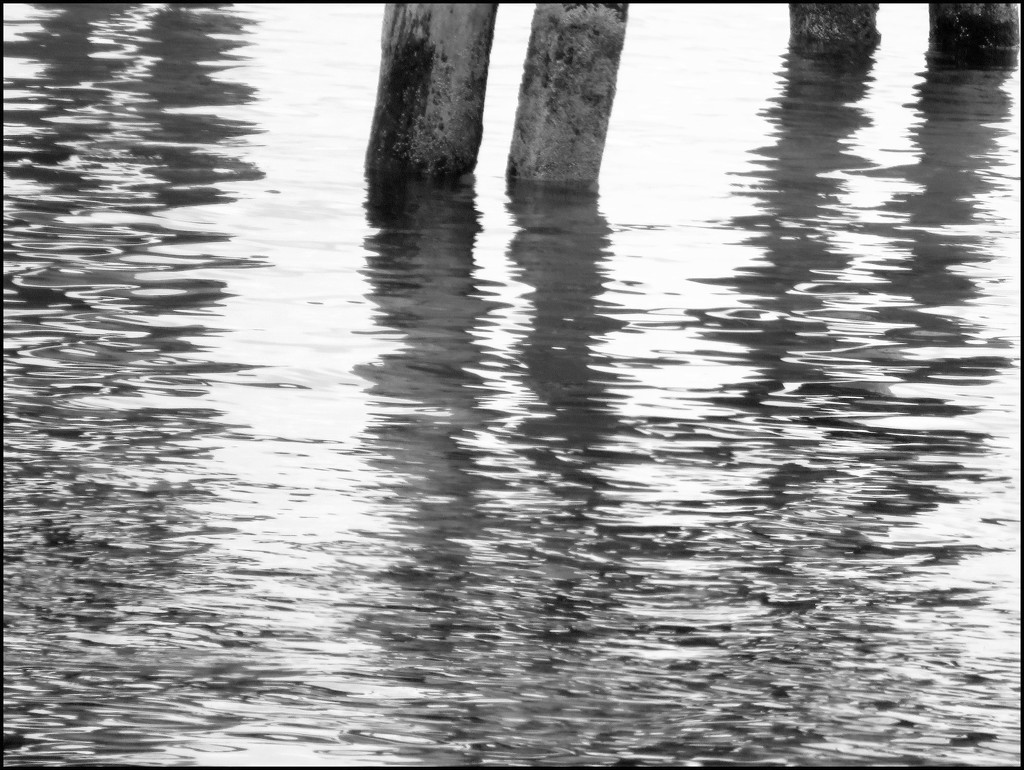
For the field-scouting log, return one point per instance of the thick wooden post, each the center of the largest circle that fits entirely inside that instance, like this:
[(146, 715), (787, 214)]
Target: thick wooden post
[(565, 100), (428, 121), (974, 34), (832, 27)]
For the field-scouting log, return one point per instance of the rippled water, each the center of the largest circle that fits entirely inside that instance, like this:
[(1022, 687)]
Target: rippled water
[(719, 466)]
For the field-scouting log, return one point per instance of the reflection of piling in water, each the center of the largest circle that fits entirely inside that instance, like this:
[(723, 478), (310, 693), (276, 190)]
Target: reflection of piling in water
[(830, 343), (560, 244), (568, 86), (430, 99), (958, 138), (421, 272), (425, 401), (961, 112), (974, 34), (797, 187), (832, 27)]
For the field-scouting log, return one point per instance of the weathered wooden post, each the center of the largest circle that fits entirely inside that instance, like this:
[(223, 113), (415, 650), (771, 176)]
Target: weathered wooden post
[(832, 27), (565, 99), (428, 120), (972, 34)]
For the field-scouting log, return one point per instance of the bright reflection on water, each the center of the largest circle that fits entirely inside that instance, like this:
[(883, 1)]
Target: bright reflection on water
[(719, 466)]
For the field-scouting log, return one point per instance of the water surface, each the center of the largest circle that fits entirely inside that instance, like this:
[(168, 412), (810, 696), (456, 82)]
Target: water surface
[(718, 465)]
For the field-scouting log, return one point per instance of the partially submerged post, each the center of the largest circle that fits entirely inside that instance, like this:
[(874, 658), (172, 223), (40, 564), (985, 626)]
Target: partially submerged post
[(565, 100), (428, 121), (832, 28), (974, 34)]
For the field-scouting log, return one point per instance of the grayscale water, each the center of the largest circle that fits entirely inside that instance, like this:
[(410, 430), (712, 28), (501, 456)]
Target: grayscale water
[(718, 466)]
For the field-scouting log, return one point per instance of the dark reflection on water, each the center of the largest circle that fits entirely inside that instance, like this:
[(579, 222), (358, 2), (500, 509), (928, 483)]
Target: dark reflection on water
[(103, 366), (504, 588), (559, 246), (426, 397), (426, 406), (833, 331)]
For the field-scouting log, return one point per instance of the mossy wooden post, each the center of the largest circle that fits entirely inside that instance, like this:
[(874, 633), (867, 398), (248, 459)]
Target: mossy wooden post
[(832, 28), (428, 120), (974, 34), (565, 100)]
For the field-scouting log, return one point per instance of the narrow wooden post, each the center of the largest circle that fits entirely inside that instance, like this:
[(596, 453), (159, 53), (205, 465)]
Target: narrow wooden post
[(428, 120), (974, 34), (832, 27), (565, 99)]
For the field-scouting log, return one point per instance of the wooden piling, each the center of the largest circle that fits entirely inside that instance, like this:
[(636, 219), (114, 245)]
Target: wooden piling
[(428, 120), (832, 28), (567, 91), (974, 34)]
